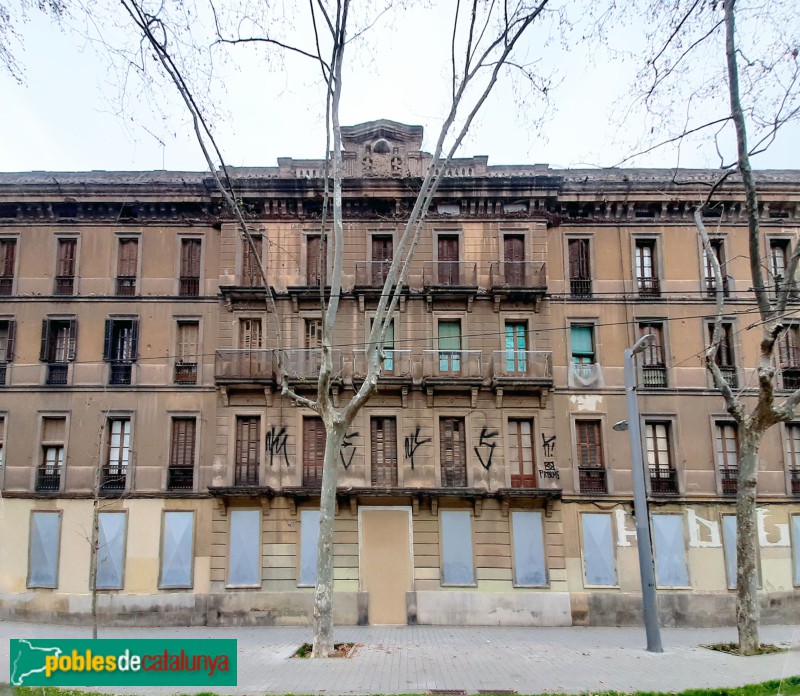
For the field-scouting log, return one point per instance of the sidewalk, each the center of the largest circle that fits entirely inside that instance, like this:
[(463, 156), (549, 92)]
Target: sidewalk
[(408, 659)]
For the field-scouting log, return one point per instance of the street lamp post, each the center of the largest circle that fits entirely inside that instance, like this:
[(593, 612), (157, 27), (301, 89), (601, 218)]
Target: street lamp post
[(643, 544)]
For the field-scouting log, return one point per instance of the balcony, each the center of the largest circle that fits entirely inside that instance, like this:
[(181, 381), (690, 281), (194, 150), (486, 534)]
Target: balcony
[(372, 274), (189, 286), (6, 285), (711, 287), (185, 373), (663, 481), (396, 367), (654, 376), (794, 479), (452, 370), (3, 374), (180, 478), (580, 287), (48, 480), (303, 365), (244, 366), (649, 287), (729, 478), (729, 375), (126, 285), (65, 285), (57, 374), (790, 378), (112, 478), (120, 373), (522, 280), (592, 479), (522, 371), (450, 280)]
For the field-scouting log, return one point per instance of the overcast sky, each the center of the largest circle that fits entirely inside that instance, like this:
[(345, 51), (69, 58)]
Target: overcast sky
[(64, 117)]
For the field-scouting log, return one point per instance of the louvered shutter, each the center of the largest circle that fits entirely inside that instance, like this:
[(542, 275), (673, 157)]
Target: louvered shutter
[(134, 347), (588, 444), (183, 442), (128, 256), (108, 340), (452, 452), (383, 439), (314, 439), (66, 257), (8, 248), (72, 340), (12, 330), (43, 352)]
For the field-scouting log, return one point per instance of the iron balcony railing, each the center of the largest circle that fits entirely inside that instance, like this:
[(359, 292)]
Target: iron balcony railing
[(57, 373), (654, 376), (48, 479), (649, 287), (372, 274), (462, 274), (663, 481), (794, 476), (256, 364), (729, 478), (65, 285), (790, 378), (303, 364), (592, 479), (396, 363), (711, 287), (517, 275), (189, 286), (112, 478), (523, 364), (452, 363), (180, 478), (126, 285), (186, 373), (729, 375), (3, 374), (580, 287), (120, 373)]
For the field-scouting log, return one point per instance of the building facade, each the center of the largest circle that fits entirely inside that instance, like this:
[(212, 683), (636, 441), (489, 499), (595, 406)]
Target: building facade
[(482, 484)]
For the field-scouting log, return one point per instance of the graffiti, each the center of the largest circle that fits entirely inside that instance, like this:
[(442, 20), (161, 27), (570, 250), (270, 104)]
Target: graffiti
[(549, 471), (276, 444), (348, 450), (549, 445), (486, 440), (413, 443)]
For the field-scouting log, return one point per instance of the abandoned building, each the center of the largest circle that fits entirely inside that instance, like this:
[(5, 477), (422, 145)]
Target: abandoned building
[(483, 484)]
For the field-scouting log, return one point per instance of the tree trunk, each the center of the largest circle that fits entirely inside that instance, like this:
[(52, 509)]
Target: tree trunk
[(95, 544), (323, 592), (747, 608)]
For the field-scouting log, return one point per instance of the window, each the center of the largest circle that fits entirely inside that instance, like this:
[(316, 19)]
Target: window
[(646, 273), (309, 540), (778, 261), (514, 260), (121, 348), (383, 439), (127, 263), (792, 456), (59, 339), (727, 455), (663, 479), (718, 248), (2, 441), (43, 549), (189, 283), (316, 260), (111, 550), (599, 564), (654, 366), (51, 464), (177, 550), (8, 253), (458, 567), (7, 334), (729, 545), (449, 341), (725, 358), (582, 343), (388, 349), (580, 278), (314, 439), (244, 548), (789, 357), (248, 446), (452, 452), (796, 547), (447, 267), (382, 255), (65, 266), (249, 334), (186, 352), (516, 347), (589, 451), (118, 454), (251, 275), (520, 453), (180, 475), (670, 551), (313, 333), (530, 568)]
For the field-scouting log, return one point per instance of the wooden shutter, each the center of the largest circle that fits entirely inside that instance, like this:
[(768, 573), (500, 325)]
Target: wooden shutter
[(579, 259), (72, 339), (249, 334), (447, 247), (183, 441), (251, 275), (246, 462), (108, 340), (128, 256), (10, 334), (313, 333), (43, 351), (8, 249), (383, 442), (452, 452), (316, 260), (314, 439), (66, 257), (187, 341), (589, 444), (134, 345), (514, 257), (382, 253)]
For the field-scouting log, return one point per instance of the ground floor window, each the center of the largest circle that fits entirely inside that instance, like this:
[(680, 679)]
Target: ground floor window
[(458, 566), (244, 548), (670, 551), (599, 564), (177, 549), (111, 550), (530, 568), (309, 538), (45, 534)]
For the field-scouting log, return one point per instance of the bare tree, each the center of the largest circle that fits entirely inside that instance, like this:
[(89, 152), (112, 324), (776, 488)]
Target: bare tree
[(483, 39)]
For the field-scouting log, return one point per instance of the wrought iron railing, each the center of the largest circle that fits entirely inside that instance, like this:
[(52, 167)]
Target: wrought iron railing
[(654, 376), (65, 285), (189, 286), (592, 479), (711, 287), (185, 373), (243, 364), (57, 373), (112, 478), (580, 287), (180, 478), (3, 374), (120, 373), (729, 375), (663, 481), (649, 287), (48, 479), (126, 285), (397, 363), (730, 480), (6, 285), (790, 378), (794, 477)]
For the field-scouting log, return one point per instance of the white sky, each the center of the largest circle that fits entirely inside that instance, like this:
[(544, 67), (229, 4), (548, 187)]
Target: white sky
[(63, 117)]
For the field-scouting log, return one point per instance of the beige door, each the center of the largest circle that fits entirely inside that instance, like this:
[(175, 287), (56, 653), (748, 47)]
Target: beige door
[(386, 563)]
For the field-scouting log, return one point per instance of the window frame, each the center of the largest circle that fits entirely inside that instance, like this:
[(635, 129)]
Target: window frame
[(179, 275), (14, 276), (372, 419), (588, 240), (719, 243), (42, 444), (716, 422), (443, 581), (302, 513), (649, 325), (124, 551), (161, 585), (680, 517), (243, 260), (576, 465), (258, 549), (175, 416), (57, 562), (75, 277), (507, 448), (121, 238), (178, 322), (465, 420), (110, 418), (591, 326), (259, 446), (653, 242), (514, 563), (586, 584)]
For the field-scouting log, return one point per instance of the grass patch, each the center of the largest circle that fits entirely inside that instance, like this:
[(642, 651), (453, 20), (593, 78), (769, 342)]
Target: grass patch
[(339, 650), (733, 649)]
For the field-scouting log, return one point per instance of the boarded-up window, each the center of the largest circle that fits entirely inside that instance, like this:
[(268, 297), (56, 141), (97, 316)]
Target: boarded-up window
[(188, 333), (383, 439), (458, 567), (599, 565), (670, 551), (520, 453), (244, 548), (316, 261), (452, 451), (309, 539), (177, 550), (43, 549), (589, 445), (251, 275), (314, 438), (246, 456), (796, 547), (190, 267), (111, 550), (530, 569)]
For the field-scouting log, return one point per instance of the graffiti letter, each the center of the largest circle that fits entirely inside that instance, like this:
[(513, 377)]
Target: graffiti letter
[(486, 440), (412, 444)]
